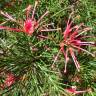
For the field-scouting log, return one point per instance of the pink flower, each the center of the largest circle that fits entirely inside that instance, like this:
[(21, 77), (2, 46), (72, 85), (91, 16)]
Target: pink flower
[(72, 40), (10, 79), (29, 25), (74, 91)]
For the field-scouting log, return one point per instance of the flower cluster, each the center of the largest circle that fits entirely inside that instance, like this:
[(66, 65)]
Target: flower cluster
[(73, 40), (30, 24)]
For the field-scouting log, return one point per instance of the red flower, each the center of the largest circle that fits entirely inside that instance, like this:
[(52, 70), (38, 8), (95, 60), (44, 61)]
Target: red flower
[(10, 79), (71, 42), (74, 91), (29, 25)]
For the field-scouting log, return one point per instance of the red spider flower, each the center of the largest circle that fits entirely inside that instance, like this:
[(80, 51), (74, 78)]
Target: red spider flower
[(30, 24), (74, 91), (9, 80), (72, 40)]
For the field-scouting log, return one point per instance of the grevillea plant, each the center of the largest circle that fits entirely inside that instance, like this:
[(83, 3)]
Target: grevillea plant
[(72, 42), (30, 24)]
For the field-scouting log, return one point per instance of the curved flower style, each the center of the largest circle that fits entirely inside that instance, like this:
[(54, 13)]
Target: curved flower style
[(30, 24), (72, 40)]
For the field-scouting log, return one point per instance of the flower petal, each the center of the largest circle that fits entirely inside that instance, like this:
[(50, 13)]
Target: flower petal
[(72, 90), (79, 92), (36, 2), (43, 16), (28, 10), (46, 30), (56, 57), (86, 43), (73, 35), (80, 43), (67, 30), (87, 37), (85, 30), (66, 59), (8, 16), (11, 29), (83, 50), (74, 59)]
